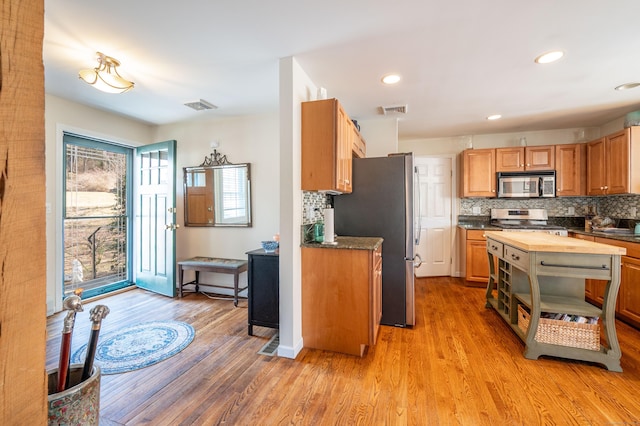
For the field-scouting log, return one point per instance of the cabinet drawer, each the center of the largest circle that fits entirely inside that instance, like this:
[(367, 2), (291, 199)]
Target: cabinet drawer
[(574, 265), (475, 234), (495, 247), (516, 257)]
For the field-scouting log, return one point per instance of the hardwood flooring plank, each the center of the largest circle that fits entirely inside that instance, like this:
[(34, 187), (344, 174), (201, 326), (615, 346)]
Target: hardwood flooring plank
[(459, 365)]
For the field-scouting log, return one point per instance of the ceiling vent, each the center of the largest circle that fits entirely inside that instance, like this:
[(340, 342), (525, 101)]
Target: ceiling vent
[(201, 105), (395, 109)]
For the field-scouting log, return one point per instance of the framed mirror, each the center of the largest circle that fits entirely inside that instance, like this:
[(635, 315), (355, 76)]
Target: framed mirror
[(218, 195)]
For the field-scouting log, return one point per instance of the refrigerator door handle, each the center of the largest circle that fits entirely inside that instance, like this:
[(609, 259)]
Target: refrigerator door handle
[(417, 191), (417, 261)]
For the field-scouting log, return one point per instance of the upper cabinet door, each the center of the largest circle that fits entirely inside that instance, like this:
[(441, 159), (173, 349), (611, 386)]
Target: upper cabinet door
[(596, 165), (479, 173), (540, 158), (571, 169), (532, 158), (617, 170), (328, 138), (510, 159)]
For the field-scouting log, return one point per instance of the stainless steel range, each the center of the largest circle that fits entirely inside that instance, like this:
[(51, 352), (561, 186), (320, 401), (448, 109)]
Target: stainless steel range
[(525, 220)]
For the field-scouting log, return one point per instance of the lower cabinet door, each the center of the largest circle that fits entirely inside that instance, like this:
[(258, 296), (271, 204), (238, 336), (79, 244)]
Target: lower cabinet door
[(629, 295)]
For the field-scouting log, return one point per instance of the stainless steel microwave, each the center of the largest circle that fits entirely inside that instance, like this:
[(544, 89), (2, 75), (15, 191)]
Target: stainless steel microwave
[(527, 184)]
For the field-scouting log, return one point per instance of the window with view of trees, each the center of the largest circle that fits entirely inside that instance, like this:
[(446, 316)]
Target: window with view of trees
[(96, 216)]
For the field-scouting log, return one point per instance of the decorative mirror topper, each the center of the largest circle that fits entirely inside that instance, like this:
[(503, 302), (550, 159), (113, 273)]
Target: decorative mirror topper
[(215, 159)]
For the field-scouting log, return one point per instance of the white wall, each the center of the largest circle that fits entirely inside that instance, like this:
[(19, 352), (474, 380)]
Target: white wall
[(247, 139), (251, 139), (295, 87), (381, 136), (454, 145), (62, 115)]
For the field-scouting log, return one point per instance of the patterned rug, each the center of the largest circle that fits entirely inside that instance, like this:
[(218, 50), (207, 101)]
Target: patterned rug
[(138, 346)]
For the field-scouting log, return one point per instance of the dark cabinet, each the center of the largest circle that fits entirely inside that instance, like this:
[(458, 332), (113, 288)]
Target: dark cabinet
[(264, 289)]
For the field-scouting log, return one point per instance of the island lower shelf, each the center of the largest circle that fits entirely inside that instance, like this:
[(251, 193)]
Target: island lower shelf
[(526, 284)]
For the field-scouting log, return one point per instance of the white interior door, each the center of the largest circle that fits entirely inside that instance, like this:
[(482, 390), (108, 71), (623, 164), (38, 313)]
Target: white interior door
[(435, 216)]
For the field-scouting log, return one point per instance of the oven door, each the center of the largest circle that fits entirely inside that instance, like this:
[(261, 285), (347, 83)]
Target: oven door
[(519, 187)]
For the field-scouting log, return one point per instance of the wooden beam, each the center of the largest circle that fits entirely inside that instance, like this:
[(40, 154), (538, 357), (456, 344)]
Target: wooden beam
[(23, 393)]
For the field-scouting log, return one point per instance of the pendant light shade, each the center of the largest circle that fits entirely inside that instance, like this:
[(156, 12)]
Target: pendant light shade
[(105, 76)]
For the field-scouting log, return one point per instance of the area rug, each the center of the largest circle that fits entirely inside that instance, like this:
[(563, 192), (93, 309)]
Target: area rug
[(138, 346)]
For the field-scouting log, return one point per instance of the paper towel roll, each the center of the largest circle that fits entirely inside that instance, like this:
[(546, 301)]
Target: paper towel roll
[(328, 226)]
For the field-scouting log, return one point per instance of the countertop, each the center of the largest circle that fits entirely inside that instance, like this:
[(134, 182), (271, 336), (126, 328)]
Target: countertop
[(631, 238), (541, 242), (349, 243)]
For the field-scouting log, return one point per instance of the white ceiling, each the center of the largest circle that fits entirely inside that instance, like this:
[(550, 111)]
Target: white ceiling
[(460, 60)]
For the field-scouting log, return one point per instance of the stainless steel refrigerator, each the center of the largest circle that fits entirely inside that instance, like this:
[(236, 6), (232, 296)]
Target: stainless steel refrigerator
[(381, 205)]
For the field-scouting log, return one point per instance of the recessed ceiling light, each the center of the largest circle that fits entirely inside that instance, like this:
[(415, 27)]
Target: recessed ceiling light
[(549, 57), (627, 86), (391, 79), (494, 117)]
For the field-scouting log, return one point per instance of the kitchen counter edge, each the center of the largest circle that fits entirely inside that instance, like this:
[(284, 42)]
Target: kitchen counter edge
[(349, 243), (631, 238)]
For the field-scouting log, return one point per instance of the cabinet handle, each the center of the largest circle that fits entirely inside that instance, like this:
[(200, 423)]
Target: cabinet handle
[(528, 165), (514, 257), (347, 181), (494, 247), (556, 265)]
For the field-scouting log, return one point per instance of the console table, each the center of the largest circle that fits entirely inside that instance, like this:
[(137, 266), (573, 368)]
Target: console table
[(212, 264), (538, 272)]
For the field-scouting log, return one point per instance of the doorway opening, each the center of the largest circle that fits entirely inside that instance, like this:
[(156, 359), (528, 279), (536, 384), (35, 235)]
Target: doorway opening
[(96, 216)]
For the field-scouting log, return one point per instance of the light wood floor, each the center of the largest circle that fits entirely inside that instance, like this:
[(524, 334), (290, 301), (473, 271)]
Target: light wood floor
[(460, 365)]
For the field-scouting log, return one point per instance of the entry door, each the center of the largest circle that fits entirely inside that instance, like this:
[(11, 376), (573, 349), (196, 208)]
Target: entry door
[(435, 207), (155, 247)]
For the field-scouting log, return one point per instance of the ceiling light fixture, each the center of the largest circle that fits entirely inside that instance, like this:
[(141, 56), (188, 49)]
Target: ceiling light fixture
[(105, 76), (549, 57), (494, 117), (391, 79), (627, 86)]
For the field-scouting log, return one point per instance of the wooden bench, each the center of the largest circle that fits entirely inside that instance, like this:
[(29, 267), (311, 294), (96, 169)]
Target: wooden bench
[(212, 264)]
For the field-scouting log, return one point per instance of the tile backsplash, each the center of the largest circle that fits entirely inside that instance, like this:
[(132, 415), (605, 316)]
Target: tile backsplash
[(316, 201), (615, 206)]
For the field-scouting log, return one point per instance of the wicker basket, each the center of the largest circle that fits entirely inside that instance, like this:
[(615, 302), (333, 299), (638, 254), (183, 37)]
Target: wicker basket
[(555, 332)]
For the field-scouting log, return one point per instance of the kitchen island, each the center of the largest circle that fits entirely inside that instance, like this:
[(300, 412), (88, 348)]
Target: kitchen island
[(538, 272)]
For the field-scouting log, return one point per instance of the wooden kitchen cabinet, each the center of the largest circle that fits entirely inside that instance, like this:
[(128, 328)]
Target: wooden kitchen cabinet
[(341, 298), (628, 304), (328, 140), (528, 158), (476, 261), (629, 297), (609, 163), (571, 169), (479, 173)]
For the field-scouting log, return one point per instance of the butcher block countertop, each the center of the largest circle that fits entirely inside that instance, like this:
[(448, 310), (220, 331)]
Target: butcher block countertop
[(539, 241)]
